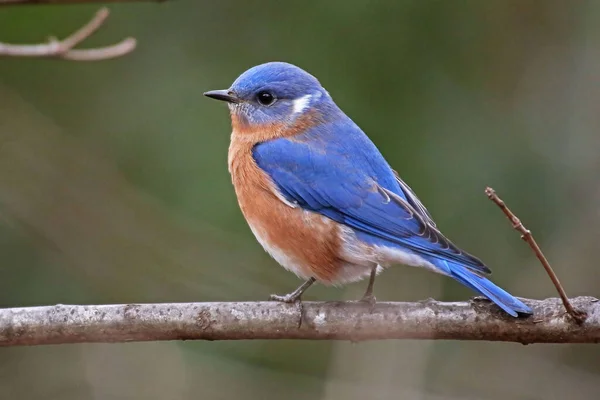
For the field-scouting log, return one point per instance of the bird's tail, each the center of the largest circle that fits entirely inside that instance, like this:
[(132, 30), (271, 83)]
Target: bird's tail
[(484, 286)]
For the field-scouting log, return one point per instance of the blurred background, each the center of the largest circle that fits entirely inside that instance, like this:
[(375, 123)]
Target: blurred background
[(114, 186)]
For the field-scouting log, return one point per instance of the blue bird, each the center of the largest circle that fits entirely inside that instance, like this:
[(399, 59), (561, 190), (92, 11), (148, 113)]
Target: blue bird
[(319, 196)]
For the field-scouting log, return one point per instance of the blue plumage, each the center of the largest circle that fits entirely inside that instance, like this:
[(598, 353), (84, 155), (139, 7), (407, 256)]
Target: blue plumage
[(335, 170)]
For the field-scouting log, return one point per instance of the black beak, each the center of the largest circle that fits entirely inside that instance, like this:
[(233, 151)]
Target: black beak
[(223, 95)]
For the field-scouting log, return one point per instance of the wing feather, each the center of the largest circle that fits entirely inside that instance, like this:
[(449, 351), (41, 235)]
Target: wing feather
[(352, 184)]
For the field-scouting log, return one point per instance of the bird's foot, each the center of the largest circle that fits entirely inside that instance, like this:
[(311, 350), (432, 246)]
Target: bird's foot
[(480, 299), (369, 299), (293, 297), (288, 298)]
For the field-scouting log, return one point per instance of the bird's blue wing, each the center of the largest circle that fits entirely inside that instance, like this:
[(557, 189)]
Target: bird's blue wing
[(414, 201), (347, 179)]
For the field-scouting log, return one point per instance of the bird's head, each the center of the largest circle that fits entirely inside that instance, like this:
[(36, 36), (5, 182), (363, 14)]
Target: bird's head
[(272, 93)]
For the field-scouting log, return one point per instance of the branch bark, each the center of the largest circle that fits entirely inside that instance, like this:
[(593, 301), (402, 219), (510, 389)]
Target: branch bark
[(354, 321)]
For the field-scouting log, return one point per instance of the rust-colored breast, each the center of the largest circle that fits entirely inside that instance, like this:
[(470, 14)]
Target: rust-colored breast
[(303, 242)]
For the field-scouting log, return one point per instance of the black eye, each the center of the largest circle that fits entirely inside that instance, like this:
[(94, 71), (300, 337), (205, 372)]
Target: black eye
[(265, 98)]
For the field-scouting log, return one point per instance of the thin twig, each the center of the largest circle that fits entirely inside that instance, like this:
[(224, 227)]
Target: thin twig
[(353, 321), (86, 31), (578, 316), (103, 53), (65, 48), (34, 2)]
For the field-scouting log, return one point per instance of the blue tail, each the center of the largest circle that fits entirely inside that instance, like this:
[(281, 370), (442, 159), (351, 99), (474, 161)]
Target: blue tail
[(482, 285)]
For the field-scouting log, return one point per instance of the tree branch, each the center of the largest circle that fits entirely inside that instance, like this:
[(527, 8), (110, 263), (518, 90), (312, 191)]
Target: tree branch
[(65, 48), (355, 321), (35, 2)]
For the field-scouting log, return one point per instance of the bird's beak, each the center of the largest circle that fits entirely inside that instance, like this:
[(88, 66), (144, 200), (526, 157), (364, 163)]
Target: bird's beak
[(223, 95)]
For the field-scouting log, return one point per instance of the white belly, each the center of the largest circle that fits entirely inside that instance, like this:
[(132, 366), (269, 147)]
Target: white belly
[(279, 255)]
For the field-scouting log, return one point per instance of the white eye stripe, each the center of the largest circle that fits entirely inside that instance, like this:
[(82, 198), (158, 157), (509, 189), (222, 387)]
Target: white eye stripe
[(301, 103)]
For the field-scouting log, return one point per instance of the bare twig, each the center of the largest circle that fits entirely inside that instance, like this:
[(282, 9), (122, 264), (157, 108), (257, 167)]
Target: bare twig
[(34, 2), (65, 48), (526, 235), (355, 321)]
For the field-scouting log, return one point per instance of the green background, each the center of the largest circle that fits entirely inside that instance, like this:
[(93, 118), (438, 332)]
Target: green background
[(114, 186)]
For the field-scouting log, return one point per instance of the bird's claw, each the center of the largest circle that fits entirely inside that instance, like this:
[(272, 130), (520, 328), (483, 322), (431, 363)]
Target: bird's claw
[(369, 299), (288, 298)]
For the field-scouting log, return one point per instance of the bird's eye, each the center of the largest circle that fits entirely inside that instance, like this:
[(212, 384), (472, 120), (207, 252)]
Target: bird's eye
[(265, 98)]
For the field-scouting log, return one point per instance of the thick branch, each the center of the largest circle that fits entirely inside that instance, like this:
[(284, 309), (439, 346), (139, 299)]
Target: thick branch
[(477, 320)]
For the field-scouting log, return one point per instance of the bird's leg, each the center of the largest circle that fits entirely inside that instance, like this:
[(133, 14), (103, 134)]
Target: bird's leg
[(368, 297), (295, 295)]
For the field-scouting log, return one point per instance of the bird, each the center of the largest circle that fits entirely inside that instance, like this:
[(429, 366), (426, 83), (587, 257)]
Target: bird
[(320, 197)]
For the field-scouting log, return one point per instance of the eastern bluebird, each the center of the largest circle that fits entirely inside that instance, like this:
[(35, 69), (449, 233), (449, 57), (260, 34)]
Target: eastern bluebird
[(319, 196)]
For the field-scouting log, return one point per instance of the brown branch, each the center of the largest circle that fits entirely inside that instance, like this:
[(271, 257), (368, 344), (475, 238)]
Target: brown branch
[(35, 2), (65, 48), (354, 321), (526, 235)]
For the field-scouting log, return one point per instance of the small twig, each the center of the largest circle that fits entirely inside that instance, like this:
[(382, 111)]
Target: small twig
[(526, 235), (65, 48), (34, 2)]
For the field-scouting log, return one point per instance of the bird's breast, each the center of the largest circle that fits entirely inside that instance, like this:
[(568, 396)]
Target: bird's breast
[(302, 241)]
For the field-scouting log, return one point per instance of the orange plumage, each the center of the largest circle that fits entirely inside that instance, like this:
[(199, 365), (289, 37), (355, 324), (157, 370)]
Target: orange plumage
[(304, 242)]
